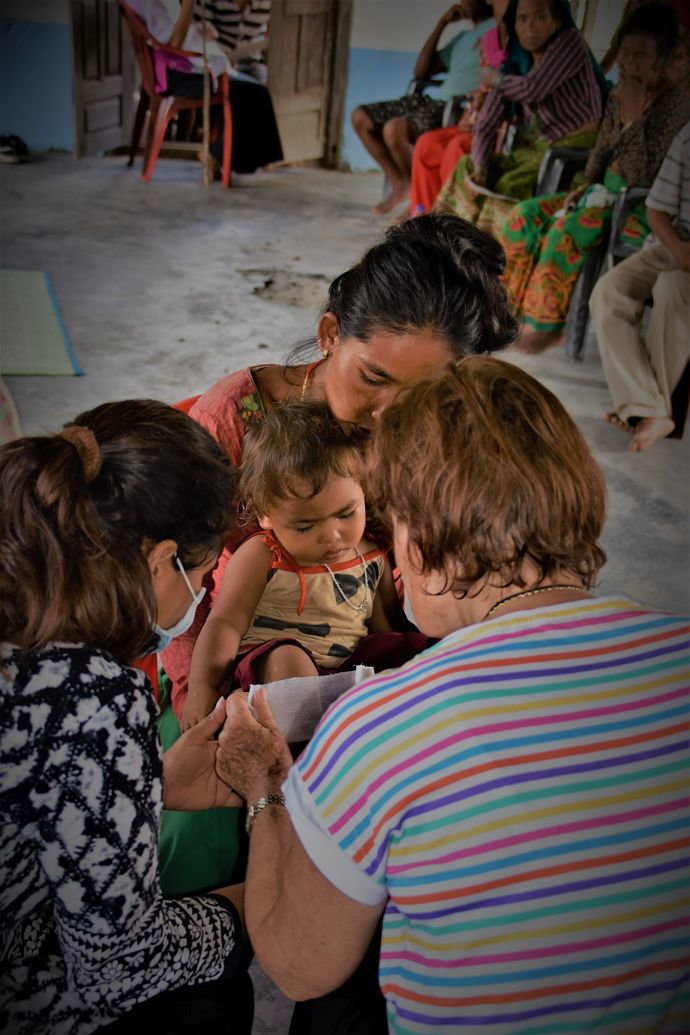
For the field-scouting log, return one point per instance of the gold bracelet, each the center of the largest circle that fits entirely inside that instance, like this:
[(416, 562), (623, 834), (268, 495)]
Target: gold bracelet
[(254, 810)]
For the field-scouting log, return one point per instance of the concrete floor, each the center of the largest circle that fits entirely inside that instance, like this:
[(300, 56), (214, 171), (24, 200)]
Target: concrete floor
[(163, 287)]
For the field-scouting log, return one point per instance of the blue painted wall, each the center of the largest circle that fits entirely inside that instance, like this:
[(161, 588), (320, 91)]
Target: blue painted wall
[(36, 83), (374, 75), (386, 38)]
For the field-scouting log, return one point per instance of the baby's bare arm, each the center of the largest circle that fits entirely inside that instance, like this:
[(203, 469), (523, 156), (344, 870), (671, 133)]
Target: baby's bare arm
[(243, 584)]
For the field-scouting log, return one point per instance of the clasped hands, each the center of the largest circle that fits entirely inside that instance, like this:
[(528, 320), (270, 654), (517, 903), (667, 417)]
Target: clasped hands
[(230, 757)]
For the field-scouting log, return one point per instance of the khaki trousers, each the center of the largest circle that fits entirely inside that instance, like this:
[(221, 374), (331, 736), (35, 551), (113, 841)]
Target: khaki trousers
[(641, 374)]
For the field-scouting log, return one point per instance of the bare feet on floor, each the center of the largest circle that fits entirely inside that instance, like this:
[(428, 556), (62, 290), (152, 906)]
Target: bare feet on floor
[(395, 198), (645, 431), (613, 418), (649, 431), (533, 342)]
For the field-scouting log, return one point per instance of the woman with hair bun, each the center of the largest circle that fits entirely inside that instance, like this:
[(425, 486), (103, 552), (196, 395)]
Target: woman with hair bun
[(428, 293), (106, 531)]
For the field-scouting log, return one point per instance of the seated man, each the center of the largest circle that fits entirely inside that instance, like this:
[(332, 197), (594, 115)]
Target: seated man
[(641, 374), (388, 129)]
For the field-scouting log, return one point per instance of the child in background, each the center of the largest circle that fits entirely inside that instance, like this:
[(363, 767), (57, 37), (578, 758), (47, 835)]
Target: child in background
[(310, 595)]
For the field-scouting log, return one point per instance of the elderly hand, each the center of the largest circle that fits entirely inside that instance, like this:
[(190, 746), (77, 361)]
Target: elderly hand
[(253, 756), (572, 197), (190, 780)]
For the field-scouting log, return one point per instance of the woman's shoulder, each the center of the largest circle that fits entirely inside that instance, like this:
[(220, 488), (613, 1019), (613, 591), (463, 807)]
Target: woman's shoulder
[(570, 39), (66, 670), (228, 407), (229, 389)]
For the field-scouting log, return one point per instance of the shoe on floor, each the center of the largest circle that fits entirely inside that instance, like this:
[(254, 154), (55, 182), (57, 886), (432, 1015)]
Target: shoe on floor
[(13, 150)]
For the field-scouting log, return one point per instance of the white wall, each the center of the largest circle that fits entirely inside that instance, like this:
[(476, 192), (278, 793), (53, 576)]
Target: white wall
[(36, 72), (396, 24)]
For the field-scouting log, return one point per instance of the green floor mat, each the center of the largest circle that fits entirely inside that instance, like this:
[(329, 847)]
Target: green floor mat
[(33, 336)]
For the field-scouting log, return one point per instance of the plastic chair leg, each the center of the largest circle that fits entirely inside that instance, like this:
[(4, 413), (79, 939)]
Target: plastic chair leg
[(578, 311), (139, 120), (680, 402), (227, 136), (154, 105), (157, 127)]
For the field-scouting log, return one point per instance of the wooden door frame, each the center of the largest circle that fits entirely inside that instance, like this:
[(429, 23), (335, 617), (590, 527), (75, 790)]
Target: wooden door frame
[(340, 62), (336, 58), (82, 91)]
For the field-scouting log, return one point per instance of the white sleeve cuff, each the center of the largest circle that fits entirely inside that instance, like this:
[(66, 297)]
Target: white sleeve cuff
[(322, 848)]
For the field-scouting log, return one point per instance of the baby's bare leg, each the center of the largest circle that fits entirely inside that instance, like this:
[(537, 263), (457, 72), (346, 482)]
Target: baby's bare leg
[(284, 662)]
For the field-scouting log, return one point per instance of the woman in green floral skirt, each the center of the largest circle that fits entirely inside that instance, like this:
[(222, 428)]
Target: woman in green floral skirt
[(546, 239), (552, 77)]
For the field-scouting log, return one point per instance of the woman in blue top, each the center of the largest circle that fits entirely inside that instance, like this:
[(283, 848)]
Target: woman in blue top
[(388, 129)]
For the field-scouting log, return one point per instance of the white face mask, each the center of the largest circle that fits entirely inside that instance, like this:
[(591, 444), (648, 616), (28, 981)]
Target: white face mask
[(407, 608), (164, 636)]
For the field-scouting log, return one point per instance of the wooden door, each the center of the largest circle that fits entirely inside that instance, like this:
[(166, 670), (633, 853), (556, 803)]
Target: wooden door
[(103, 77), (307, 68)]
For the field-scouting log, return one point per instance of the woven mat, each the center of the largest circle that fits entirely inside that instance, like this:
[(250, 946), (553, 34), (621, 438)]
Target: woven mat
[(9, 421), (33, 336)]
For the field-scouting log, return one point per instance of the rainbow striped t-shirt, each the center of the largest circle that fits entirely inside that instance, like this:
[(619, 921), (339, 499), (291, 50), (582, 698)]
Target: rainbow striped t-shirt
[(518, 797)]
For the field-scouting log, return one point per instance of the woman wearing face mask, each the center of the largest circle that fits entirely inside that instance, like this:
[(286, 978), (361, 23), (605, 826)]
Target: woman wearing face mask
[(106, 531)]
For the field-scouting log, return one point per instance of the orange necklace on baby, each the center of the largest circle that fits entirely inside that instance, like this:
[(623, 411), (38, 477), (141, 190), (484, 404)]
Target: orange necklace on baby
[(364, 605)]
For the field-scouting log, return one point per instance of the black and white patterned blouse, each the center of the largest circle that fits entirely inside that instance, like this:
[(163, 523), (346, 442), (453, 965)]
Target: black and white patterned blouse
[(86, 934)]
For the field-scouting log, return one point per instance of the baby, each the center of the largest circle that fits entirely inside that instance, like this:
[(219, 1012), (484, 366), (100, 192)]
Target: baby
[(310, 594)]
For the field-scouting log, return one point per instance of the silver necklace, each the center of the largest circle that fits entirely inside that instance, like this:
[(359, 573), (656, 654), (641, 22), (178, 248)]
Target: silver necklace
[(364, 606)]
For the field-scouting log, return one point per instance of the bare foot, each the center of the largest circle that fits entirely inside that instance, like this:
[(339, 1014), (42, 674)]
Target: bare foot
[(533, 342), (650, 430), (395, 198), (613, 418)]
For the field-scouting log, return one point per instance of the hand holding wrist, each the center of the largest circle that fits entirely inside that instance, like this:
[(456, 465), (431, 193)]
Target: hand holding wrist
[(253, 757)]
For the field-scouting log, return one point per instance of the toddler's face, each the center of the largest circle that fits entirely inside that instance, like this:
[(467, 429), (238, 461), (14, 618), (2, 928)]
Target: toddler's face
[(322, 529)]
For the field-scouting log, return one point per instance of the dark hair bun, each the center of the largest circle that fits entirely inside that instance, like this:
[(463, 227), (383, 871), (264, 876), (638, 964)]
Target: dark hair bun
[(436, 273)]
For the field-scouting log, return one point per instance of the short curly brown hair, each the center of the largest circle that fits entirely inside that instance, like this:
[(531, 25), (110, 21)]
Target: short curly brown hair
[(487, 471), (297, 446)]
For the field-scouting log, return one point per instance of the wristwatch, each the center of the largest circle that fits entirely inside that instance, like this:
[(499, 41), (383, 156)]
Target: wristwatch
[(254, 810)]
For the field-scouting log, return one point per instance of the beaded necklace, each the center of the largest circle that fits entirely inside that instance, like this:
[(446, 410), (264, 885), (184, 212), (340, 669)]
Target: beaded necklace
[(364, 605), (531, 593)]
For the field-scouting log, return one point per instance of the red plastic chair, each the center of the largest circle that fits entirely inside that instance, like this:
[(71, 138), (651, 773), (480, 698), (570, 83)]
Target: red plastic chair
[(162, 108)]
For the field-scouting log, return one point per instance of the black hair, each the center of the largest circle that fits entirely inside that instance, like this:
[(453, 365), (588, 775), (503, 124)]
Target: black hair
[(436, 272), (657, 20)]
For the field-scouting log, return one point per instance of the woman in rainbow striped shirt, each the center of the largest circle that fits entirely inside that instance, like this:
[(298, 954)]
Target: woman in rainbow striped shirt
[(513, 801)]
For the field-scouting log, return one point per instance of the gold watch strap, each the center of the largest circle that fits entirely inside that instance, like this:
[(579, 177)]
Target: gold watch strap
[(254, 810)]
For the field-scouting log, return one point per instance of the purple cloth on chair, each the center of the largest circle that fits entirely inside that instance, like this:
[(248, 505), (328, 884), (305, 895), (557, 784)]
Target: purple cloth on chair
[(162, 62)]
